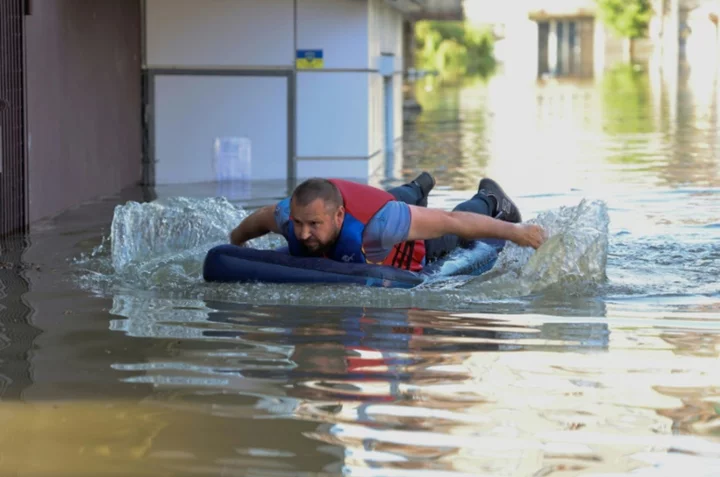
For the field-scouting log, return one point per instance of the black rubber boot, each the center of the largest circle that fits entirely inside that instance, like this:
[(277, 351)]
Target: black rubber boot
[(425, 182), (505, 209)]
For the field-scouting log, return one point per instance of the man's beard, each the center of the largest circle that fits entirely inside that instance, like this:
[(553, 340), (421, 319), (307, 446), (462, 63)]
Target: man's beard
[(318, 251), (321, 249)]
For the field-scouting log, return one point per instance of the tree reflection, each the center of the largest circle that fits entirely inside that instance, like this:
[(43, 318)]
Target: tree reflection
[(627, 103)]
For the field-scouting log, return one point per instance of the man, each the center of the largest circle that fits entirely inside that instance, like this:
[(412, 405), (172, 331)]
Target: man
[(351, 222)]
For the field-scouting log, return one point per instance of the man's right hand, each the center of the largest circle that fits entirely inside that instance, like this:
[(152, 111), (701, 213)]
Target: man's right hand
[(529, 235), (257, 224)]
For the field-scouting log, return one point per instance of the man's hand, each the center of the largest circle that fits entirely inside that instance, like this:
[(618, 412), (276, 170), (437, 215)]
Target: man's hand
[(529, 235)]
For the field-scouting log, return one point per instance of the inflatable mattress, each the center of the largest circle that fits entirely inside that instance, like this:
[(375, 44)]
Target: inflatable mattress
[(230, 263)]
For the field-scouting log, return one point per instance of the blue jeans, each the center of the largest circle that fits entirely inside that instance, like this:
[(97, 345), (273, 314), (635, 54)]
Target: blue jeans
[(437, 248)]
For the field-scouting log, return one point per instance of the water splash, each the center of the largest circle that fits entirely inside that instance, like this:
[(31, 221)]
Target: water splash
[(163, 243), (161, 246), (573, 260), (147, 231)]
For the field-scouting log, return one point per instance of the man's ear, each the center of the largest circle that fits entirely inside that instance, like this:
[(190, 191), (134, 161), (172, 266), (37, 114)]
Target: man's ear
[(340, 213)]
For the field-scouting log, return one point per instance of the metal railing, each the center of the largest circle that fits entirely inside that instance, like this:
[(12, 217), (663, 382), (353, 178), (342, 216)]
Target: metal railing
[(13, 164)]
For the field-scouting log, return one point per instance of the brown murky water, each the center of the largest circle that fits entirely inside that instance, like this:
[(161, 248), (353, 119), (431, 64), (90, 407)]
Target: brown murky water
[(102, 374)]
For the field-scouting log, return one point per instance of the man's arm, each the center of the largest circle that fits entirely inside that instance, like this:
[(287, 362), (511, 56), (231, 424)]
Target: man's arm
[(257, 224), (432, 223)]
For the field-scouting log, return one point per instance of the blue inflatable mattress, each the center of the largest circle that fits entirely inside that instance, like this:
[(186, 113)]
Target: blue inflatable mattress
[(230, 263)]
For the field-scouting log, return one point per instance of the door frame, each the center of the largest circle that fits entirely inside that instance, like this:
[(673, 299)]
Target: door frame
[(149, 155)]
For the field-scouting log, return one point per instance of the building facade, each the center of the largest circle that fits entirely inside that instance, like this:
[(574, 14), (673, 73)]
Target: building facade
[(97, 96), (311, 87)]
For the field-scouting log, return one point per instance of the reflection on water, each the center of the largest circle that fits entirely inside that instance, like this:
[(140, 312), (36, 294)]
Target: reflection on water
[(240, 389), (141, 369), (16, 332), (629, 127)]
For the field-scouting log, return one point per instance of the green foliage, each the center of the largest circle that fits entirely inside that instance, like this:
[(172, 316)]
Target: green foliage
[(451, 56), (453, 48), (627, 18)]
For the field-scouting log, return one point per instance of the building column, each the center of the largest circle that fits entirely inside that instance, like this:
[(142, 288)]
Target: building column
[(552, 47), (671, 32), (565, 48), (409, 45), (574, 46)]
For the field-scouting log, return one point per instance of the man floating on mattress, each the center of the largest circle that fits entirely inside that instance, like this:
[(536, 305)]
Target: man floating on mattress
[(351, 222)]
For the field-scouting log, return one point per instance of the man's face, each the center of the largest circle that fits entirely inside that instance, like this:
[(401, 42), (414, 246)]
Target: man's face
[(317, 225)]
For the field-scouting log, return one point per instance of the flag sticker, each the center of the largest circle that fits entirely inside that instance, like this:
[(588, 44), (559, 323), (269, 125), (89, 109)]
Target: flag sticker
[(309, 59)]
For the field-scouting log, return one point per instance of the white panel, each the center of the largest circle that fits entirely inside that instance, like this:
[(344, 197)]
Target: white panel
[(338, 27), (385, 33), (399, 40), (390, 28), (376, 118), (398, 97), (220, 33), (376, 166), (332, 114), (191, 111), (379, 116), (374, 49), (341, 169)]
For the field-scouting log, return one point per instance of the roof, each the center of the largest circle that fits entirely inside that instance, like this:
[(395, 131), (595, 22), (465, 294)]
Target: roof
[(430, 9)]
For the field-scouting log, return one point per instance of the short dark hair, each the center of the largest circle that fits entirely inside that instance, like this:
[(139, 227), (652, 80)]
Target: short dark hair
[(317, 188)]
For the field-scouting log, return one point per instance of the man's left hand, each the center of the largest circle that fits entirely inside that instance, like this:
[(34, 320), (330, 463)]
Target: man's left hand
[(530, 235)]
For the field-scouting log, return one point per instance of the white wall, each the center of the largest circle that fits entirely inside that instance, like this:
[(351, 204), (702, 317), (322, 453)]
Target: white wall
[(333, 102), (338, 27), (345, 169), (340, 111), (332, 114), (191, 111), (220, 33)]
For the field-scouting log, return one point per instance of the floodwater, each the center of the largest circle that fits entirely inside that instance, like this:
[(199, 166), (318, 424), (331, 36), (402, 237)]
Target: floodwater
[(596, 355)]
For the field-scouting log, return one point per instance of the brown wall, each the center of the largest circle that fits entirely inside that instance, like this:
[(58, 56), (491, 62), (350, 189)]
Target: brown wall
[(84, 97)]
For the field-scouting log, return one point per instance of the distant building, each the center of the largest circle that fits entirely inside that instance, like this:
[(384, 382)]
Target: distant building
[(566, 37)]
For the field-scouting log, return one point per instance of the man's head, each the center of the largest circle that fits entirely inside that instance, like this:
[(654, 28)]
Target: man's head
[(317, 213)]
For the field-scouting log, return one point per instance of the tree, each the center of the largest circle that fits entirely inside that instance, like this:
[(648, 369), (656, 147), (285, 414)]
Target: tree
[(454, 48), (627, 18)]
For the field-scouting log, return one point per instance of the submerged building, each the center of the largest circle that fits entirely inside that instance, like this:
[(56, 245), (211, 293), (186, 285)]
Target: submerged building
[(97, 96)]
